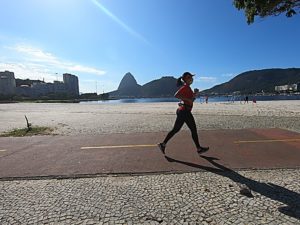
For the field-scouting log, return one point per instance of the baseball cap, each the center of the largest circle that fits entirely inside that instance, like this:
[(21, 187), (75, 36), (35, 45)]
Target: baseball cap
[(187, 74)]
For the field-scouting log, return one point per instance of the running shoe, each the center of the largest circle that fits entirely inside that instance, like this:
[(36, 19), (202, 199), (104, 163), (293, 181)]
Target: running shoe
[(201, 150), (162, 147)]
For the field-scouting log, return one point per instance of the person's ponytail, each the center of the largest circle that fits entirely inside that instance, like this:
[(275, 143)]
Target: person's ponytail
[(179, 82)]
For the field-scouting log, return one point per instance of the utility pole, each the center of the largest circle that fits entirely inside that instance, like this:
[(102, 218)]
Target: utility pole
[(96, 88)]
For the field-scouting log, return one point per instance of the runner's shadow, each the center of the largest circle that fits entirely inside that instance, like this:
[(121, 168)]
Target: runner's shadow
[(272, 191)]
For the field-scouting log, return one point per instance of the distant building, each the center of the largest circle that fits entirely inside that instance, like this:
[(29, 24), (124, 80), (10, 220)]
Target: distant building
[(24, 90), (287, 88), (69, 86), (71, 82), (7, 83), (42, 89)]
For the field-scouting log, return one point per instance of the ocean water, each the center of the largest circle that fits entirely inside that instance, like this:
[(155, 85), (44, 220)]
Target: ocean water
[(200, 99)]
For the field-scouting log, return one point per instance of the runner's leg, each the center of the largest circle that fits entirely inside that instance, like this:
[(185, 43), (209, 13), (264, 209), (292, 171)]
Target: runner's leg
[(190, 122), (177, 126)]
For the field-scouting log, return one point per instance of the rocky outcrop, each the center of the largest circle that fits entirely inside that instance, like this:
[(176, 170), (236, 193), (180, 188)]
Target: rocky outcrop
[(129, 88)]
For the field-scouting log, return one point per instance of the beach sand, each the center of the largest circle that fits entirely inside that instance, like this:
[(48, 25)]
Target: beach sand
[(94, 119)]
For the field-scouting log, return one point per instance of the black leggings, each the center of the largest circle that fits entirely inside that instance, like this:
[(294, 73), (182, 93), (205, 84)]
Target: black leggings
[(184, 116)]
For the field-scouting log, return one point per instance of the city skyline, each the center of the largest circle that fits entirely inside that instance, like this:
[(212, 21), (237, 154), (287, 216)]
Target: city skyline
[(100, 41), (10, 86)]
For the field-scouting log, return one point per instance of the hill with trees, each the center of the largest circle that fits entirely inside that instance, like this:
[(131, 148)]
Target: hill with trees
[(257, 81)]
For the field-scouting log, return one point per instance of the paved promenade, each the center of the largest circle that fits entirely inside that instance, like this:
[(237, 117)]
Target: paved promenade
[(247, 177), (190, 198), (82, 156)]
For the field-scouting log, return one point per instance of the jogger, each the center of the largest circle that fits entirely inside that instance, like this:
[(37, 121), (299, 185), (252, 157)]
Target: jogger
[(184, 114)]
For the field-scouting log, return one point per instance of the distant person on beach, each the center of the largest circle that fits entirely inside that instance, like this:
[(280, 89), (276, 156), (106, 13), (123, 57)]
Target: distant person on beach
[(246, 99), (206, 99), (184, 114)]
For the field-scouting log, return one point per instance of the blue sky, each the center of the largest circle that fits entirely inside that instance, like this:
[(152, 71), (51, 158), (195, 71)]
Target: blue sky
[(101, 40)]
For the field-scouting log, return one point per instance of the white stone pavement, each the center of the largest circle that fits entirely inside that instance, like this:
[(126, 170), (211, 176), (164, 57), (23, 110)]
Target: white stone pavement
[(190, 198)]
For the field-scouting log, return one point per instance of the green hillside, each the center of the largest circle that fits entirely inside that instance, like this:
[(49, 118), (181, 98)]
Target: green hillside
[(256, 81)]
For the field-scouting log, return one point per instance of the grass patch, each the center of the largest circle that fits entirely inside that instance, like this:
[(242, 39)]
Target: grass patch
[(25, 132)]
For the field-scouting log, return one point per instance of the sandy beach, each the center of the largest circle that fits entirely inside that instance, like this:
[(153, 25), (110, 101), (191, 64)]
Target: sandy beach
[(189, 198), (93, 119)]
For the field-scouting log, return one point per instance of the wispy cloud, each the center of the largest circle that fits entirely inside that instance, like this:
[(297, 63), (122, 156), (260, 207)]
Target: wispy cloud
[(227, 75), (119, 21), (29, 70), (207, 79), (48, 60), (35, 54)]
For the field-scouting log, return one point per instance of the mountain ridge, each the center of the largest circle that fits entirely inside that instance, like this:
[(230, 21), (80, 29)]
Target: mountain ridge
[(257, 81), (249, 82), (129, 88)]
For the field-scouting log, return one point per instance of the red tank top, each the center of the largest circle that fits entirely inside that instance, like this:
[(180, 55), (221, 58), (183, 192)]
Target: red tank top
[(186, 92)]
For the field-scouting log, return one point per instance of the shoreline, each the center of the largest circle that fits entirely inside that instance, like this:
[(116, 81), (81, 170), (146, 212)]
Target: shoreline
[(228, 97), (107, 118)]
